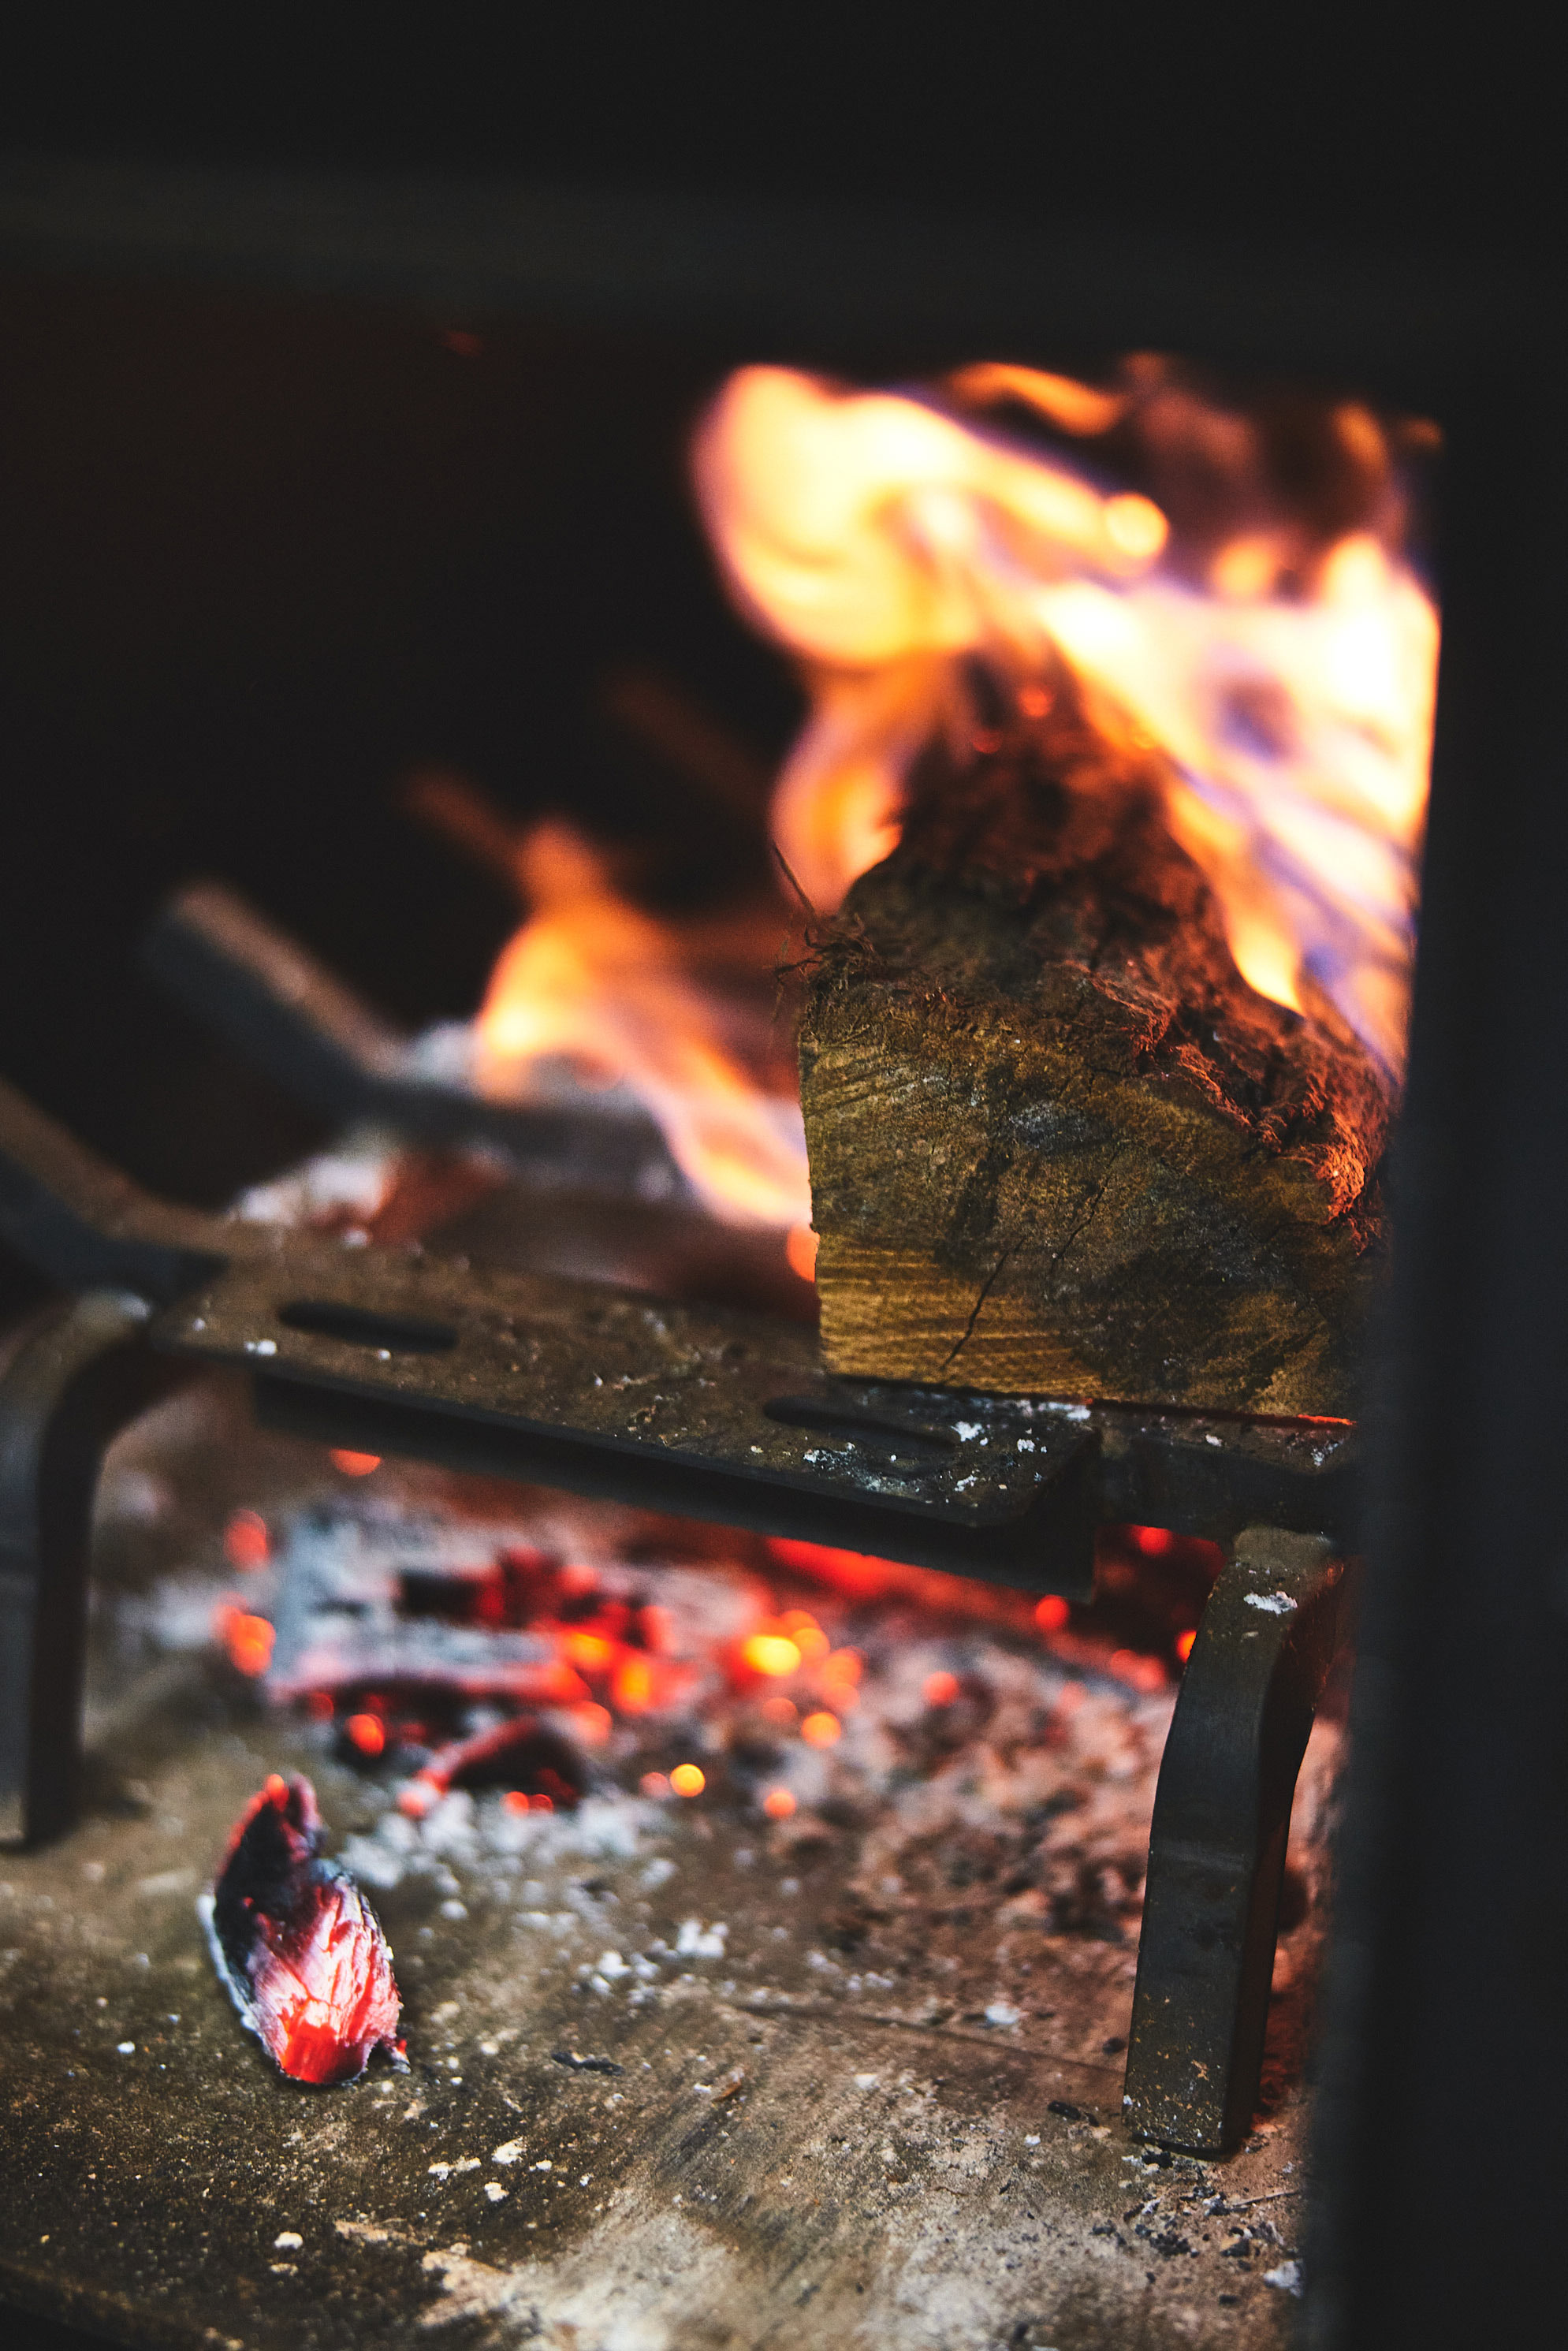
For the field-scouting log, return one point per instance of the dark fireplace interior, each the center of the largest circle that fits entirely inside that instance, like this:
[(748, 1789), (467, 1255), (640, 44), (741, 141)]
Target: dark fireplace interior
[(299, 519)]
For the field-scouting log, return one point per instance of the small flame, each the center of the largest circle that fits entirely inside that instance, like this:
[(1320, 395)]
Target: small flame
[(593, 981), (889, 543)]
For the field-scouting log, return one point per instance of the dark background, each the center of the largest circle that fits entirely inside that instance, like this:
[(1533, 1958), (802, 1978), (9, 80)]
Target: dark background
[(1364, 127)]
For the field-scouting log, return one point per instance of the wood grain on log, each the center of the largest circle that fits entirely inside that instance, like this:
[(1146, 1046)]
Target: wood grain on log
[(1058, 1144)]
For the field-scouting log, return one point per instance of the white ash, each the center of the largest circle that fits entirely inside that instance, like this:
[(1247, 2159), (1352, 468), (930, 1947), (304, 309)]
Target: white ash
[(355, 1177), (473, 1832)]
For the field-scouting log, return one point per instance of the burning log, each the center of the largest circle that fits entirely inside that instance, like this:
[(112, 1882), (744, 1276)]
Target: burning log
[(1058, 1143)]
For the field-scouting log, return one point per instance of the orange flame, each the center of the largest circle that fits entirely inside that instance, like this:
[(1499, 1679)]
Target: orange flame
[(593, 982), (887, 543)]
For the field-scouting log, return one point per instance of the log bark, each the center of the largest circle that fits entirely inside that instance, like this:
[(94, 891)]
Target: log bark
[(1058, 1144)]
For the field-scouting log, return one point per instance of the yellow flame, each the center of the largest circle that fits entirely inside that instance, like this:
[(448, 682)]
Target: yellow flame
[(883, 541), (592, 981)]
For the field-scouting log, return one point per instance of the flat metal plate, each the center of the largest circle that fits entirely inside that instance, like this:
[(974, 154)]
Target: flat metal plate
[(716, 1415)]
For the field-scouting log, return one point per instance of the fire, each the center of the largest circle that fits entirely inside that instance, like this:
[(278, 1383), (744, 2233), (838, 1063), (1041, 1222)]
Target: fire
[(917, 561), (893, 545), (594, 983)]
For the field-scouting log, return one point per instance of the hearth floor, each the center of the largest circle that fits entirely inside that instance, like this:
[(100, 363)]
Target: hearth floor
[(802, 2145)]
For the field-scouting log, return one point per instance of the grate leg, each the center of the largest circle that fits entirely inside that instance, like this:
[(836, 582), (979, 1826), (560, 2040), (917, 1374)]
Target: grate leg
[(80, 1372), (1216, 1848)]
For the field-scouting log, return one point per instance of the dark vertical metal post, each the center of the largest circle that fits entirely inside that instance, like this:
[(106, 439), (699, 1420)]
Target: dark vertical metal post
[(77, 1375), (1441, 2172), (1216, 1848)]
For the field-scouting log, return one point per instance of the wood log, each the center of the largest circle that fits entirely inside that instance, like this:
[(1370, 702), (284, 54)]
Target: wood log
[(1058, 1146)]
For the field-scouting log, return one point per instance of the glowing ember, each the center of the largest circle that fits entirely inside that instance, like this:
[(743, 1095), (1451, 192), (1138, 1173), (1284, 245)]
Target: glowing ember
[(821, 1730), (779, 1804), (1139, 1671), (688, 1779), (771, 1653), (893, 545), (808, 1635), (248, 1639), (368, 1732), (589, 1652), (592, 981), (246, 1542), (1184, 1645), (633, 1687), (296, 1945), (354, 1464), (1051, 1613), (940, 1689)]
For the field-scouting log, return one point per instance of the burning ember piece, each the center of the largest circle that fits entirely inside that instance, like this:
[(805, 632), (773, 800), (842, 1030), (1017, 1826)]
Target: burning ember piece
[(299, 1949)]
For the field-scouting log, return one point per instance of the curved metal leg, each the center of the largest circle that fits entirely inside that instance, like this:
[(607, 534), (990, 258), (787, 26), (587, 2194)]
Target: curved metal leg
[(1217, 1849), (81, 1372)]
